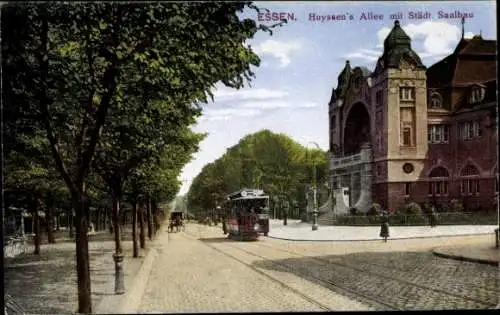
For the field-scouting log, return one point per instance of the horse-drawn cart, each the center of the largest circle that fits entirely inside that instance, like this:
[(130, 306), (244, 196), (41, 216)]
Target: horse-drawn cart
[(176, 221)]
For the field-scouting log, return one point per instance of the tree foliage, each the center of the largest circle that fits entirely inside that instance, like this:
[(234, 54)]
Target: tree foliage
[(76, 76), (264, 160)]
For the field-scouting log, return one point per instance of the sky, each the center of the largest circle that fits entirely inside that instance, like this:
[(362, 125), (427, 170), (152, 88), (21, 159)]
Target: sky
[(301, 61)]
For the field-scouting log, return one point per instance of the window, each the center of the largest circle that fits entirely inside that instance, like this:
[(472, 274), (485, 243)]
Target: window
[(438, 182), (436, 101), (407, 136), (438, 133), (476, 95), (470, 184), (406, 93), (407, 189), (438, 188), (357, 83), (496, 183), (470, 187), (496, 180), (333, 123), (469, 130), (379, 98)]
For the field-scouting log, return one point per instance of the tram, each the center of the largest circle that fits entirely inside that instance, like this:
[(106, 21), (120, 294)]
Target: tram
[(246, 214)]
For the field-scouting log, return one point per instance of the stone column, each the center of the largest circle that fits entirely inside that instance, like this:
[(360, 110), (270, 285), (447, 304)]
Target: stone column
[(365, 199)]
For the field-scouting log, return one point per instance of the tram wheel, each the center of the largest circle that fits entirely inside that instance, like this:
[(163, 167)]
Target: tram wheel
[(265, 234)]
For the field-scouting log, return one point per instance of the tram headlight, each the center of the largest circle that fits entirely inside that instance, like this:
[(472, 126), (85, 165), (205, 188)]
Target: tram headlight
[(256, 227)]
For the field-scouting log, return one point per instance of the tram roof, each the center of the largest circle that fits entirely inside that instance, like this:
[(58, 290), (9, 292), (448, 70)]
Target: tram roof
[(249, 198), (247, 194)]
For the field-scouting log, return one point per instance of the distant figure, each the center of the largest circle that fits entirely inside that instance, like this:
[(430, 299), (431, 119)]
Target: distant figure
[(384, 228), (433, 217)]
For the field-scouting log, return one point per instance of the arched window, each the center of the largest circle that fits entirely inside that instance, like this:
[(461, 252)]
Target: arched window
[(495, 173), (333, 123), (438, 182), (436, 101), (470, 181), (439, 172)]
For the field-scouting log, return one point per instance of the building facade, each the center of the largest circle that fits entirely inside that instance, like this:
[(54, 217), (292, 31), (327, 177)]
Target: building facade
[(405, 132)]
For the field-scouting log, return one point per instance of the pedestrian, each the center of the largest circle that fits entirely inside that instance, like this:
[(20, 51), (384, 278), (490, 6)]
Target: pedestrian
[(433, 216), (384, 228)]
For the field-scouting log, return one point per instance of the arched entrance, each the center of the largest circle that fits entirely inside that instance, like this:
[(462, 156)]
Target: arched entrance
[(357, 129)]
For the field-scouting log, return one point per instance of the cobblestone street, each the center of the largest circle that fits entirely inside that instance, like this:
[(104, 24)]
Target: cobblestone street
[(200, 270)]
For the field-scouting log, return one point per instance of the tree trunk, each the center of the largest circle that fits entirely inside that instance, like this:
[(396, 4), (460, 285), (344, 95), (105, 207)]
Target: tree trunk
[(156, 217), (142, 234), (58, 218), (36, 226), (134, 229), (116, 222), (50, 225), (150, 220), (70, 223), (111, 222), (82, 253)]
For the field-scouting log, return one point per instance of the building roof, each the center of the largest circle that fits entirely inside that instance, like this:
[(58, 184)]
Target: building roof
[(473, 61), (343, 79), (397, 45), (476, 46)]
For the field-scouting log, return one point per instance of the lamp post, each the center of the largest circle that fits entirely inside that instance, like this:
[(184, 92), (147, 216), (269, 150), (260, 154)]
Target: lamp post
[(285, 208), (315, 193), (275, 203), (218, 215)]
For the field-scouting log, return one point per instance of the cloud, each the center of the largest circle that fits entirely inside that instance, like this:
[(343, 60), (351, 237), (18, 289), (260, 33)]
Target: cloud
[(278, 104), (365, 54), (223, 94), (279, 49), (309, 105), (266, 104), (228, 113), (468, 35), (437, 39)]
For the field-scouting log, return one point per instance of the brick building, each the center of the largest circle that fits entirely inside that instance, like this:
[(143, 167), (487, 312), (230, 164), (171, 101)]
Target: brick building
[(405, 132)]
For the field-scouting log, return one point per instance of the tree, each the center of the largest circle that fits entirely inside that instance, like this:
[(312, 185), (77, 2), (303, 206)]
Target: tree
[(274, 162), (71, 60)]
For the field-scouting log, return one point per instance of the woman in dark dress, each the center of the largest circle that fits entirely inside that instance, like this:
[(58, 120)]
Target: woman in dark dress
[(384, 228)]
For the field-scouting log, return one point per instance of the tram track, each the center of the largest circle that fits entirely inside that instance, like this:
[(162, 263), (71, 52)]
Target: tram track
[(363, 299), (281, 283), (369, 299), (383, 276)]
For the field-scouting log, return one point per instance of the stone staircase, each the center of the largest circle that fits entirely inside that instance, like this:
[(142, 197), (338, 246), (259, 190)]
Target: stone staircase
[(326, 214), (326, 218)]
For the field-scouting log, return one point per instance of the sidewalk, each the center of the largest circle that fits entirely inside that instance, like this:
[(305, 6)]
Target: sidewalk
[(298, 231), (46, 284), (484, 253)]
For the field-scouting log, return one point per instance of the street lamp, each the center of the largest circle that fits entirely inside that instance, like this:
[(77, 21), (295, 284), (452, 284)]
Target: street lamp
[(285, 206), (315, 193)]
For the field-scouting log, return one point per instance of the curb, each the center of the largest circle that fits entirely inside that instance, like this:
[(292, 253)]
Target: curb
[(136, 285), (463, 258), (376, 239), (133, 297)]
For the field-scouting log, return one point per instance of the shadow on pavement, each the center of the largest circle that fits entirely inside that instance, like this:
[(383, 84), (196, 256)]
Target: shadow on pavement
[(216, 240), (398, 280), (46, 284)]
